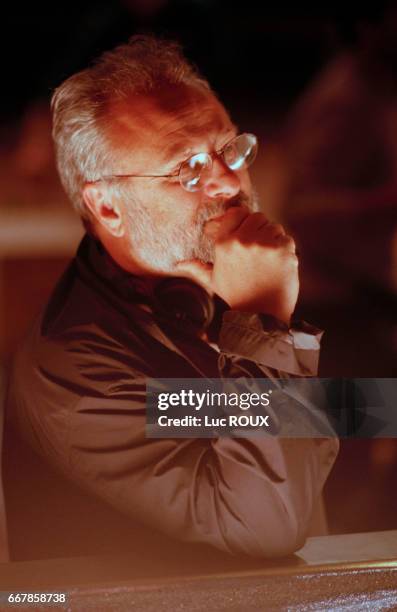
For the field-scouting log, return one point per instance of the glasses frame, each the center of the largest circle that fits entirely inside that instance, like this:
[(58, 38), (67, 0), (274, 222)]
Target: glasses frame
[(219, 153)]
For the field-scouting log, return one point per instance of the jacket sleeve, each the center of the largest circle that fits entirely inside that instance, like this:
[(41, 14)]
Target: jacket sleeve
[(270, 343), (242, 495)]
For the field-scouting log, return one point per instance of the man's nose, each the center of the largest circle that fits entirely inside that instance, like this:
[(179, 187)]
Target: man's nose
[(222, 182)]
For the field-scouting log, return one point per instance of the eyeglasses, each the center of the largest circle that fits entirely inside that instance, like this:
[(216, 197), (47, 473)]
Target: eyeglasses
[(237, 154)]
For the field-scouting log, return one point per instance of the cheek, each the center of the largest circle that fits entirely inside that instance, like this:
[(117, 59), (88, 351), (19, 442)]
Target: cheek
[(176, 207), (170, 206)]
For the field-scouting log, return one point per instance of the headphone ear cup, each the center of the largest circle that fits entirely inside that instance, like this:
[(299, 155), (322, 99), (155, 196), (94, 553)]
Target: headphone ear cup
[(184, 304)]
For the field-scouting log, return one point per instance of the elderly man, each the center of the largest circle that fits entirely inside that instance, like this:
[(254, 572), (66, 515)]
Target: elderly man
[(158, 172)]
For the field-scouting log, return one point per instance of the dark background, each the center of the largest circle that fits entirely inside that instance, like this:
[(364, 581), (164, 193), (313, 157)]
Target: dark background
[(264, 53)]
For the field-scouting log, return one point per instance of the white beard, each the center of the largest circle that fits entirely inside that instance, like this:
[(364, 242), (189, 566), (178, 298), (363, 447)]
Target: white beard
[(160, 250)]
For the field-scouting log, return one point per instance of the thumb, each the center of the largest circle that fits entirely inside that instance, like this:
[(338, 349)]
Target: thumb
[(198, 271)]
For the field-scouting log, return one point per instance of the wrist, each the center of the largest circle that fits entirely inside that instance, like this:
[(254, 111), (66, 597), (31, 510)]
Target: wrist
[(271, 322)]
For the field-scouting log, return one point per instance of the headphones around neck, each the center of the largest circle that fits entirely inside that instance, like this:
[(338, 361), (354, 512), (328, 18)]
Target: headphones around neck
[(184, 304)]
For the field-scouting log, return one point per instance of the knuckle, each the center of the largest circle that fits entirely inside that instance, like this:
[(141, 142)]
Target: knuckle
[(287, 241), (278, 227)]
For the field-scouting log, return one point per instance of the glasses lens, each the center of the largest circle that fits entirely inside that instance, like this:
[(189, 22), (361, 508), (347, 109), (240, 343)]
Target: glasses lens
[(241, 152), (193, 170)]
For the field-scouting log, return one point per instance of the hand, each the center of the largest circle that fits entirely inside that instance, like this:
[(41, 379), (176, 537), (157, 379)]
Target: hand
[(255, 267)]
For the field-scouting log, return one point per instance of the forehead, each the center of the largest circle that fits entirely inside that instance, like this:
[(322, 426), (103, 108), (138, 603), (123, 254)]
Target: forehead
[(167, 122)]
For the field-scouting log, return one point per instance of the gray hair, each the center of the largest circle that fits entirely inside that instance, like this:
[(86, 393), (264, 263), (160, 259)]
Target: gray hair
[(80, 106)]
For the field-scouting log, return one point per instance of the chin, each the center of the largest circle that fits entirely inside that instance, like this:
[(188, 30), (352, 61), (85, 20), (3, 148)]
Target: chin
[(205, 251)]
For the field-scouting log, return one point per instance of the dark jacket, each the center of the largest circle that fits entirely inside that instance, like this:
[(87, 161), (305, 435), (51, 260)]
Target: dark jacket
[(77, 394)]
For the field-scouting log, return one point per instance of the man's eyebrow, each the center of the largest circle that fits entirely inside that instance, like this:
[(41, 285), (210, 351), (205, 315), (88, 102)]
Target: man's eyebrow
[(176, 149)]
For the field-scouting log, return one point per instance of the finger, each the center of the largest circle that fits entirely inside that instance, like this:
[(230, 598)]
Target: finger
[(274, 229), (284, 242), (198, 271), (251, 224), (221, 227)]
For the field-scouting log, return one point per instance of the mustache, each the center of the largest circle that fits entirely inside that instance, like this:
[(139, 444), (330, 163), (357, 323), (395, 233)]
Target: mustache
[(214, 209)]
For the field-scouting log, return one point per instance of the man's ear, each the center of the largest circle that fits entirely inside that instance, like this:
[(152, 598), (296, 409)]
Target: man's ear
[(105, 211)]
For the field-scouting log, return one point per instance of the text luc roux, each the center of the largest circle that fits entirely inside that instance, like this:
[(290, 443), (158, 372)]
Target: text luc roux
[(242, 420)]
